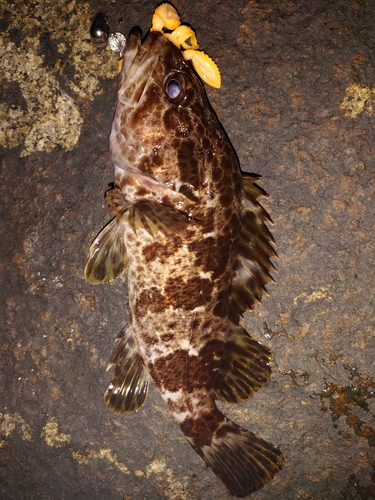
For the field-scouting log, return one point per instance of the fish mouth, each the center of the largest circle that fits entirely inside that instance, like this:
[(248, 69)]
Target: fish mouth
[(140, 60)]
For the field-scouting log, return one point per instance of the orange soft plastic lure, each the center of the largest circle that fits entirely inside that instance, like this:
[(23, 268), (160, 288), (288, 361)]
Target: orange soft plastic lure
[(166, 17)]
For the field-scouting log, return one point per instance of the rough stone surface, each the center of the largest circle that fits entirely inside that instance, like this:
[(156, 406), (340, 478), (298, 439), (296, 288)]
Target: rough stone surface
[(297, 101)]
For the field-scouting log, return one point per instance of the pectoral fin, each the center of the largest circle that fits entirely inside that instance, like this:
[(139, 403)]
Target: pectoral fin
[(107, 258), (245, 367), (154, 217), (128, 387)]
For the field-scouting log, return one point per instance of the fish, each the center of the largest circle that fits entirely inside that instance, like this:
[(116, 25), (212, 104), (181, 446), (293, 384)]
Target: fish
[(190, 232)]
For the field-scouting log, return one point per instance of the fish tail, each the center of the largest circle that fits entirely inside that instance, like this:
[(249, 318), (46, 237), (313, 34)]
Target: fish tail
[(243, 461)]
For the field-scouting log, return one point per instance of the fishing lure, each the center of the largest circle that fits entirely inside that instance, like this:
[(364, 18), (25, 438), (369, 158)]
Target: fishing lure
[(166, 16)]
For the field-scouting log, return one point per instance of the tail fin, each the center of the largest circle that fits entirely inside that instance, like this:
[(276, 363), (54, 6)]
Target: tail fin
[(243, 461)]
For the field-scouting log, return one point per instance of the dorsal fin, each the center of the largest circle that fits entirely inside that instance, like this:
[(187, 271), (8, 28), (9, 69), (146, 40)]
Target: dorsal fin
[(245, 366), (253, 263)]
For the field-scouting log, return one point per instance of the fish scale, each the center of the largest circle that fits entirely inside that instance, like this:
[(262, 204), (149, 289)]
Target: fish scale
[(190, 233)]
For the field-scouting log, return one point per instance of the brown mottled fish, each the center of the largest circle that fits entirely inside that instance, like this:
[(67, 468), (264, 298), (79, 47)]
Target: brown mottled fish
[(192, 236)]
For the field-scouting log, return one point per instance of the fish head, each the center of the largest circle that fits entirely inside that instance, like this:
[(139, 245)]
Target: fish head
[(164, 127)]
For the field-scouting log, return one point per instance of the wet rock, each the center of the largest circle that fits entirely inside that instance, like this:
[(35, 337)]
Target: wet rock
[(297, 102)]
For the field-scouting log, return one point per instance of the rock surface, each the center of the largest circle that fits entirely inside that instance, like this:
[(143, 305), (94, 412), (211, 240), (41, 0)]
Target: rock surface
[(297, 101)]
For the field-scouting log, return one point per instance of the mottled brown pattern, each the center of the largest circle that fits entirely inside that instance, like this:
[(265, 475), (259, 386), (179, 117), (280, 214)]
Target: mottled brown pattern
[(175, 366), (181, 370), (178, 195), (160, 250), (172, 122), (178, 294), (150, 299), (188, 161), (201, 430), (167, 337)]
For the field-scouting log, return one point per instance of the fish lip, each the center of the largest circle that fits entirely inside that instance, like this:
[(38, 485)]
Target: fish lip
[(139, 57), (132, 46)]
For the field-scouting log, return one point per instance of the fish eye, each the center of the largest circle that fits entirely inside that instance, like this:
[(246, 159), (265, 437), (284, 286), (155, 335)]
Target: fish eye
[(175, 88)]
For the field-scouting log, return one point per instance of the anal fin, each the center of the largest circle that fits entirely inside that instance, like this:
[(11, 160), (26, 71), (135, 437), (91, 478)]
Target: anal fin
[(245, 367), (128, 387)]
